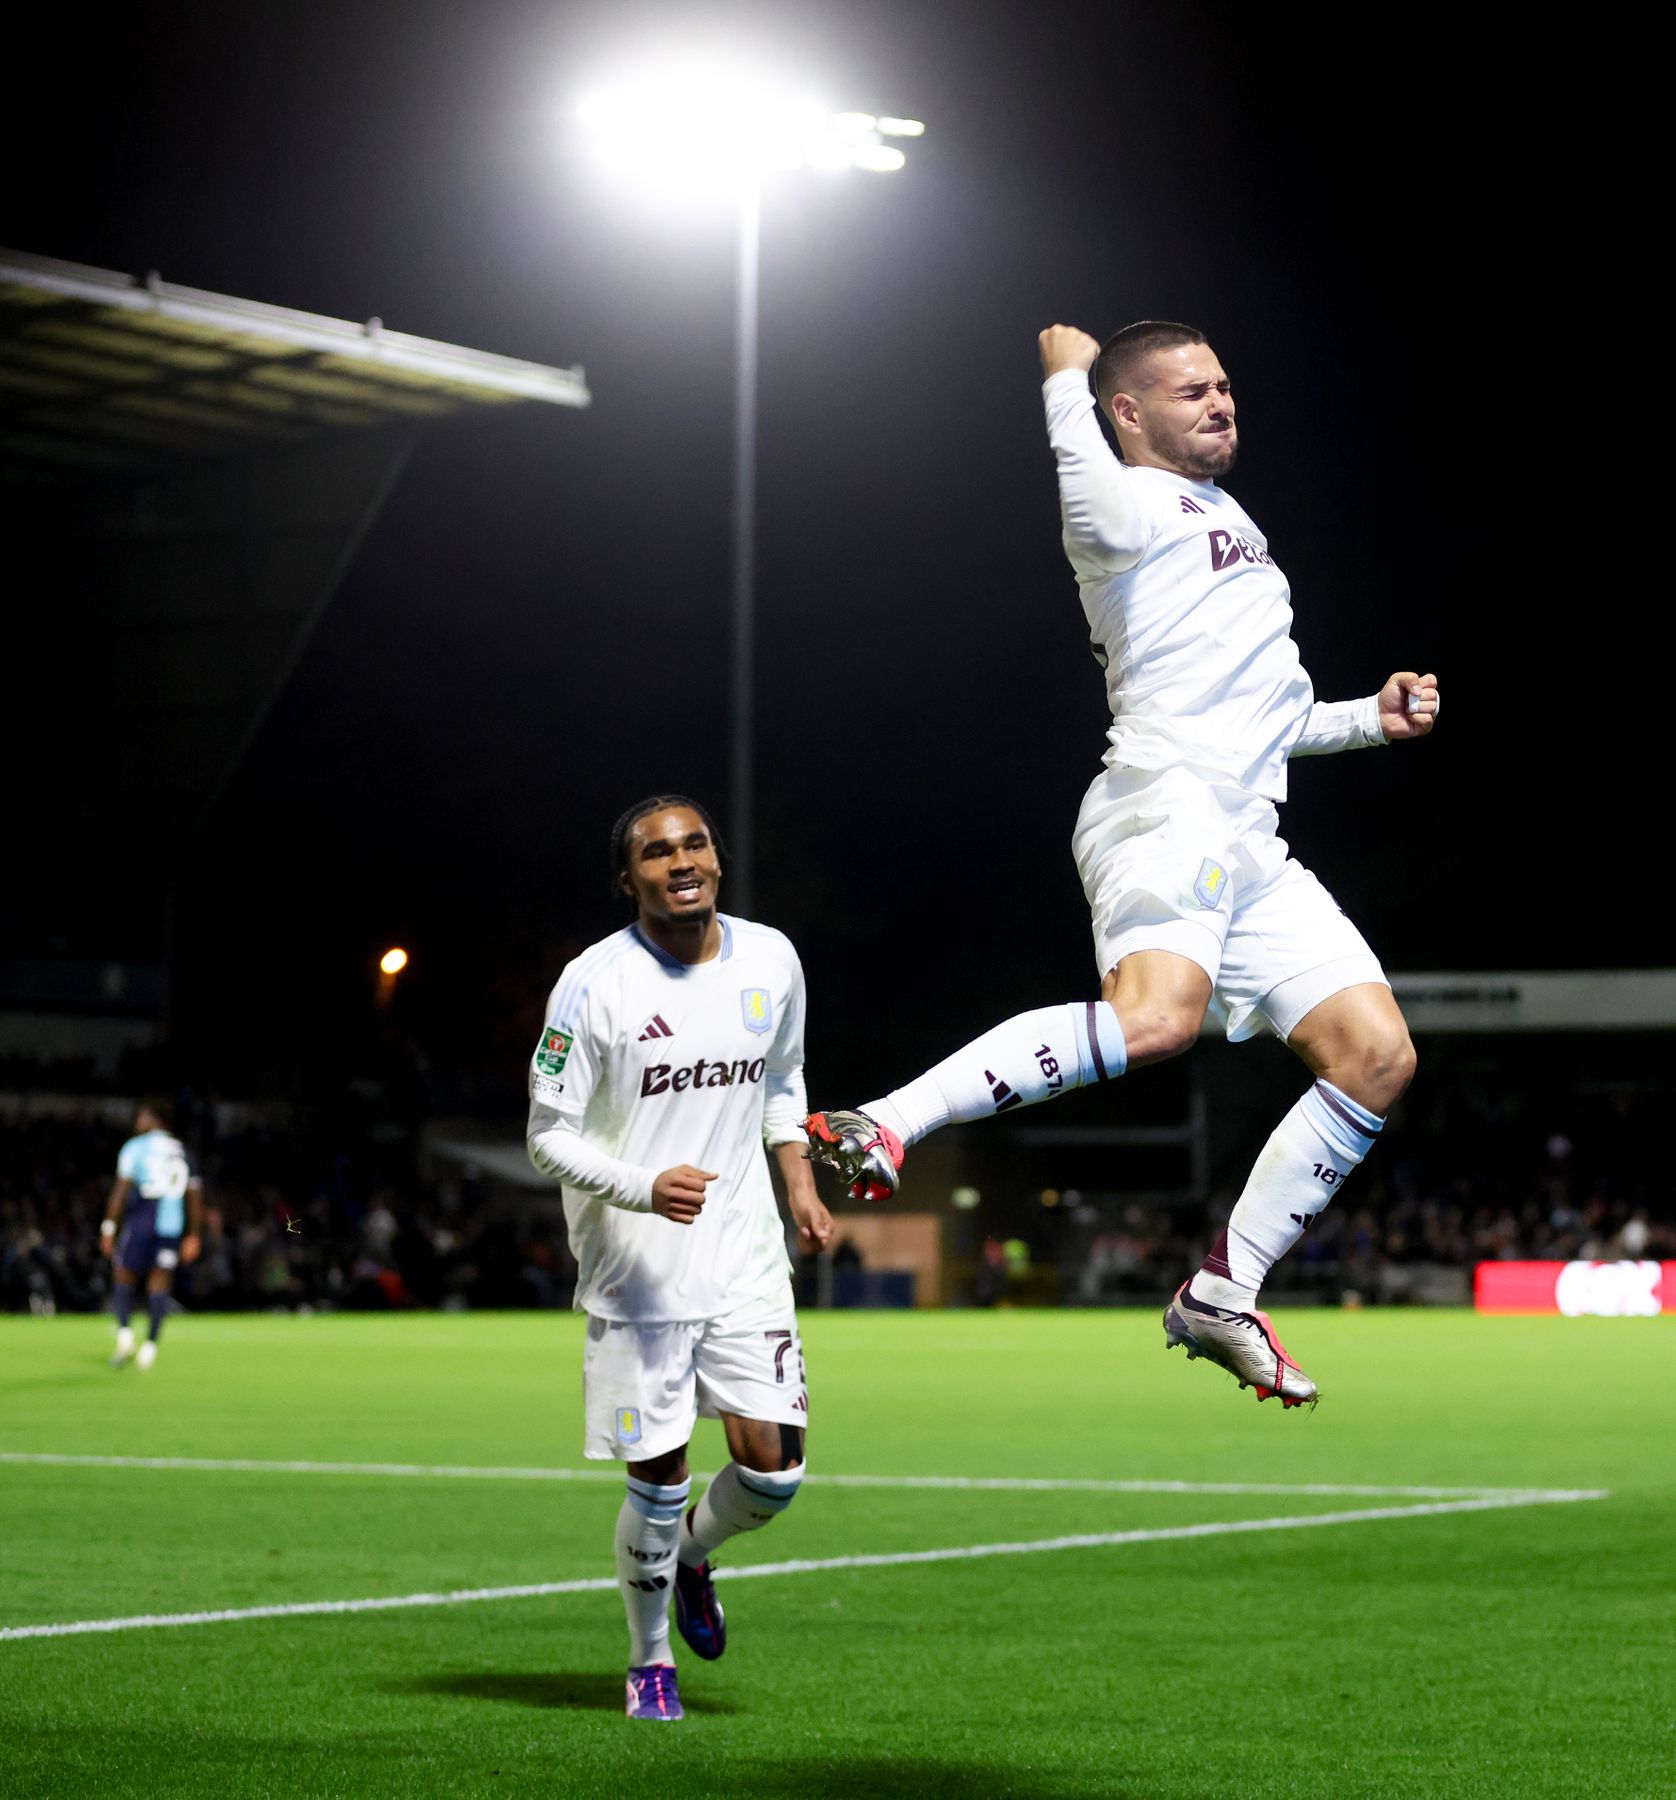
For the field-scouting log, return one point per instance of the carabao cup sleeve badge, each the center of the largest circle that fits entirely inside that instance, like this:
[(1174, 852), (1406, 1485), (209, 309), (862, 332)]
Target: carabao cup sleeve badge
[(758, 1009), (551, 1052)]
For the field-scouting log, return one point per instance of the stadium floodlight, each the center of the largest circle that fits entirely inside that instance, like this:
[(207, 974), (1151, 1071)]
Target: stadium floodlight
[(711, 126), (392, 962), (714, 124)]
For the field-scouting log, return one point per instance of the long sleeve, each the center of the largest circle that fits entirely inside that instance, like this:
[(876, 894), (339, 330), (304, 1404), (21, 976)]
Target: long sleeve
[(564, 1155), (786, 1101), (1340, 725), (564, 1072), (1104, 531)]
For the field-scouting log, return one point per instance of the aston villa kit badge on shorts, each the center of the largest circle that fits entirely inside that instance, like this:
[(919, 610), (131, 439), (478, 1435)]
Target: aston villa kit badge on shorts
[(1213, 880), (628, 1424), (758, 1010)]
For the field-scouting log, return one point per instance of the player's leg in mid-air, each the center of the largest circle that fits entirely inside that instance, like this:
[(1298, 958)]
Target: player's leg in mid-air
[(1293, 964), (1031, 1057), (1153, 855), (1358, 1047), (1169, 921)]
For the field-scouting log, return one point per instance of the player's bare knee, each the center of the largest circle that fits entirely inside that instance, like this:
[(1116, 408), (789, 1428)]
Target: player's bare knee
[(1155, 1032), (1382, 1068), (1397, 1065), (765, 1446), (667, 1470)]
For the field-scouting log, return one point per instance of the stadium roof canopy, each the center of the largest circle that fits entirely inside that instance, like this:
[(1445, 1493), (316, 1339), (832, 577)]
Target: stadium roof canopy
[(100, 370), (185, 478)]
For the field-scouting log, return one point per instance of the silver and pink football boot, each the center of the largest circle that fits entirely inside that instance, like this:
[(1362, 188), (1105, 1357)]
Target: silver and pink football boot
[(1243, 1343), (867, 1155)]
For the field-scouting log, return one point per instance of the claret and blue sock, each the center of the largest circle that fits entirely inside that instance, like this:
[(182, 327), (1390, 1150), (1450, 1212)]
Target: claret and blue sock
[(1028, 1058), (1306, 1160)]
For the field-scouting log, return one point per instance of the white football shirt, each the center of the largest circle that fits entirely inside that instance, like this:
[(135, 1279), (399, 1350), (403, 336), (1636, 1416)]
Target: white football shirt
[(1189, 616), (646, 1062)]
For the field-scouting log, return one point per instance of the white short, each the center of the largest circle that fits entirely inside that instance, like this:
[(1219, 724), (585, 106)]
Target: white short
[(1172, 861), (645, 1386)]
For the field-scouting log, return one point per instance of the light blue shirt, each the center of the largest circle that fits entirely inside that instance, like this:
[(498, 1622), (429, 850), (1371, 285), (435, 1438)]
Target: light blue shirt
[(157, 1164)]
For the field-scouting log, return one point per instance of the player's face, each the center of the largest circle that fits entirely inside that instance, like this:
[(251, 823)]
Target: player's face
[(1185, 412), (672, 871)]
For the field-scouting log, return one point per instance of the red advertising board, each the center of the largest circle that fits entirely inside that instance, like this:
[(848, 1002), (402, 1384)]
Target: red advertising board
[(1608, 1290)]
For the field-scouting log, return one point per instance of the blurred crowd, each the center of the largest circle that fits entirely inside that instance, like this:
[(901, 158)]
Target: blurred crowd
[(1472, 1171), (305, 1210), (1374, 1250), (290, 1221)]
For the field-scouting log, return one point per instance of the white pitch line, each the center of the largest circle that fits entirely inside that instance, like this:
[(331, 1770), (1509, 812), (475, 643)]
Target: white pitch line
[(895, 1559), (974, 1483)]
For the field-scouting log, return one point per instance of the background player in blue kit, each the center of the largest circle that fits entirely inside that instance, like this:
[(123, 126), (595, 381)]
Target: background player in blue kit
[(158, 1200)]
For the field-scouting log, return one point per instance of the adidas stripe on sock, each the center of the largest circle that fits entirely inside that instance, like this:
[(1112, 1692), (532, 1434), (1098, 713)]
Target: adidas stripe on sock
[(1029, 1058)]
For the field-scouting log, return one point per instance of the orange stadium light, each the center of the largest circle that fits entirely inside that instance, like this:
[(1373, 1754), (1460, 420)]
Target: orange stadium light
[(392, 962)]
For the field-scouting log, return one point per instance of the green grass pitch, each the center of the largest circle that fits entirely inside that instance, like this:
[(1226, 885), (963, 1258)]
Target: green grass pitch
[(1520, 1649)]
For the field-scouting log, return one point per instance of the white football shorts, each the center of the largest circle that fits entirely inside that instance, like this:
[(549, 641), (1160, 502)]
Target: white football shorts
[(645, 1386), (1170, 860)]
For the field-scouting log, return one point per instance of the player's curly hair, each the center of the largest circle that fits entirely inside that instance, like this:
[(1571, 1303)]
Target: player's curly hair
[(632, 815), (1124, 351)]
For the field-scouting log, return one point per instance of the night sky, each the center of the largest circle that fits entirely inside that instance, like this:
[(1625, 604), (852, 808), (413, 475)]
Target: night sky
[(535, 631)]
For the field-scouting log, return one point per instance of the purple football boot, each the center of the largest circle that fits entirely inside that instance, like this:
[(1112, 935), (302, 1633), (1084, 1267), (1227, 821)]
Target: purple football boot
[(652, 1693), (698, 1613)]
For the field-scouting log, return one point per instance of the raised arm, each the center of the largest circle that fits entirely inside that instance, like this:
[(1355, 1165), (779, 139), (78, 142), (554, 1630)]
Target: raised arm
[(1105, 533)]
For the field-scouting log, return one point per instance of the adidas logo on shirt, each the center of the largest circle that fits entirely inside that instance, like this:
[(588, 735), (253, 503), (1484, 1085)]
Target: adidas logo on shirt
[(656, 1027), (1189, 504)]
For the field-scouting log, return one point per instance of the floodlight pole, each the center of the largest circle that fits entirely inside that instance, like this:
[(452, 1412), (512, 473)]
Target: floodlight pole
[(742, 711)]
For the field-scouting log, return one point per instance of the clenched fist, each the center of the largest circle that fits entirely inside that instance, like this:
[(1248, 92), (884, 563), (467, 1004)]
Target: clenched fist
[(1064, 347), (1408, 705), (678, 1193)]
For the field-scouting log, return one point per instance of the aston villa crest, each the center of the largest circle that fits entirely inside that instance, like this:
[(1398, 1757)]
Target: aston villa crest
[(758, 1010)]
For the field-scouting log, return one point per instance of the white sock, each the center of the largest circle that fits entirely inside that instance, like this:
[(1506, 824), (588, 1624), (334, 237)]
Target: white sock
[(1032, 1056), (738, 1499), (648, 1527), (1300, 1169)]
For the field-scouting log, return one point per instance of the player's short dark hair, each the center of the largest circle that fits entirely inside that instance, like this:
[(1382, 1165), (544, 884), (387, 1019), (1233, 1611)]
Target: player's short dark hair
[(161, 1108), (631, 816), (1124, 352)]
